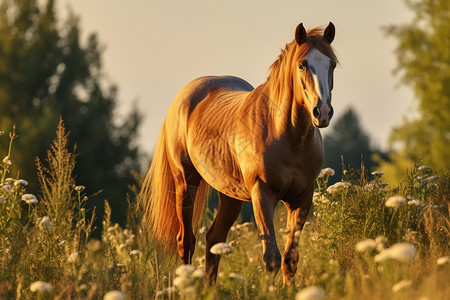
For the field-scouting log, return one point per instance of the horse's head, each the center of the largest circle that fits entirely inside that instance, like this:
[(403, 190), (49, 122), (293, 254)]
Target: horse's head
[(313, 77)]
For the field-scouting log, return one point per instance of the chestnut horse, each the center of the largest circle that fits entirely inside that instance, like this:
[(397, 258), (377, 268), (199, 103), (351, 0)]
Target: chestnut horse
[(260, 145)]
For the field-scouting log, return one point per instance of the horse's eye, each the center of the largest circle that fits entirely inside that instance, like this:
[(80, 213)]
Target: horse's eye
[(301, 67)]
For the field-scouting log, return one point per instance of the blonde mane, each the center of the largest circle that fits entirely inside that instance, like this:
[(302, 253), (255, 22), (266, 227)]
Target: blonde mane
[(280, 79)]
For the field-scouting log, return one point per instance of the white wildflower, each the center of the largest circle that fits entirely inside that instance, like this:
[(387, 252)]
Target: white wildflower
[(366, 245), (202, 230), (45, 223), (80, 188), (7, 161), (316, 196), (381, 241), (430, 179), (6, 187), (424, 169), (401, 285), (243, 225), (184, 270), (159, 295), (403, 252), (310, 293), (443, 260), (333, 262), (221, 249), (413, 201), (236, 277), (73, 257), (40, 286), (326, 172), (114, 295), (135, 252), (21, 182), (199, 273), (2, 199), (370, 187), (395, 201), (377, 173), (30, 199), (182, 282), (338, 185)]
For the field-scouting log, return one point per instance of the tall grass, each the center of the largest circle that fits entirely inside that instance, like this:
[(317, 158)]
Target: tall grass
[(346, 248)]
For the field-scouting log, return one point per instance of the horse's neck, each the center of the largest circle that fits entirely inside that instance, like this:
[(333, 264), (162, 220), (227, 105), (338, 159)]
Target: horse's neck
[(291, 119)]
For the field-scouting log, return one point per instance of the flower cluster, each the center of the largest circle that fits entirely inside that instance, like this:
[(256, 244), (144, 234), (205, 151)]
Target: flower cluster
[(221, 249), (114, 295), (338, 186), (40, 287), (310, 293), (122, 241), (187, 279), (402, 252)]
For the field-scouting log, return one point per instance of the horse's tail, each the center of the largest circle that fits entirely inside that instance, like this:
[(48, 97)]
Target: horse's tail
[(158, 199)]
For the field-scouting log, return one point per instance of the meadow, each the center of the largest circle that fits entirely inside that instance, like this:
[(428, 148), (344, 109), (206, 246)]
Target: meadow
[(365, 239)]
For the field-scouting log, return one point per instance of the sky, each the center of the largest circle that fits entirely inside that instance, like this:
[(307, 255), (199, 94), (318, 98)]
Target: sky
[(153, 48)]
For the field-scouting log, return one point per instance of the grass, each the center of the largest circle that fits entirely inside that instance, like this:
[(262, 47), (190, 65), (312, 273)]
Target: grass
[(45, 251)]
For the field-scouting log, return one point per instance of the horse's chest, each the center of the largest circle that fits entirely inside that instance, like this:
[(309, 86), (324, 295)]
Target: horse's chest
[(294, 172)]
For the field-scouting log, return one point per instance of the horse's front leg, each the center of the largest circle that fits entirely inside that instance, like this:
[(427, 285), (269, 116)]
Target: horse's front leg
[(295, 222), (264, 202)]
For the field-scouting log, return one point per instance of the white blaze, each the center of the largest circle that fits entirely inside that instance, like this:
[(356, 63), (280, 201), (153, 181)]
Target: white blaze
[(319, 66)]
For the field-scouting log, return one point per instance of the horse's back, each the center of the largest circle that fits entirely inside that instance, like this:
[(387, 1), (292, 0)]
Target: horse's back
[(198, 89), (189, 97)]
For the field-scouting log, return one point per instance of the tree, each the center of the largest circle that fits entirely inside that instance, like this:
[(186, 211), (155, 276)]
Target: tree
[(46, 73), (349, 141), (423, 55)]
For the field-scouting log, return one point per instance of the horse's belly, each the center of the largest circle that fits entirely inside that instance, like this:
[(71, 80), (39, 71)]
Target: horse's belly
[(218, 168)]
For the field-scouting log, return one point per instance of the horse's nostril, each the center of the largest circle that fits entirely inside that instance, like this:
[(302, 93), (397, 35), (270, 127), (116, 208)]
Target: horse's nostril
[(330, 114), (316, 112)]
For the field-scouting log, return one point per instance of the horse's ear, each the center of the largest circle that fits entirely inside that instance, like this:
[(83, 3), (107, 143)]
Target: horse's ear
[(328, 34), (300, 34)]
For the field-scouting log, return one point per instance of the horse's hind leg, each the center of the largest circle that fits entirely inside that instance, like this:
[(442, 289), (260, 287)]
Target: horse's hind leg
[(227, 213), (186, 188)]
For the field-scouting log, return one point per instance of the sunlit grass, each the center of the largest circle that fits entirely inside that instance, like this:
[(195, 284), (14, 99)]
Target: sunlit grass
[(364, 240)]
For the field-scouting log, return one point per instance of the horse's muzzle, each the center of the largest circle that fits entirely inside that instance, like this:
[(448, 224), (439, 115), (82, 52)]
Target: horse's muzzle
[(322, 115)]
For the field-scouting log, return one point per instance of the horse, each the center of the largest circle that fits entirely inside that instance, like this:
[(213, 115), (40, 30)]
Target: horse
[(258, 144)]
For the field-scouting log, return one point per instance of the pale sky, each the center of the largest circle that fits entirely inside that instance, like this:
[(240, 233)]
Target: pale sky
[(153, 48)]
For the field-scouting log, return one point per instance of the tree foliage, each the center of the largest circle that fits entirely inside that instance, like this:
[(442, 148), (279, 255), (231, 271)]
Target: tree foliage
[(47, 72), (423, 55)]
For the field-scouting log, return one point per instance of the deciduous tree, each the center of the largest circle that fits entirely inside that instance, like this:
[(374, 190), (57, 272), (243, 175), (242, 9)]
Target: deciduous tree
[(423, 56), (47, 72)]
